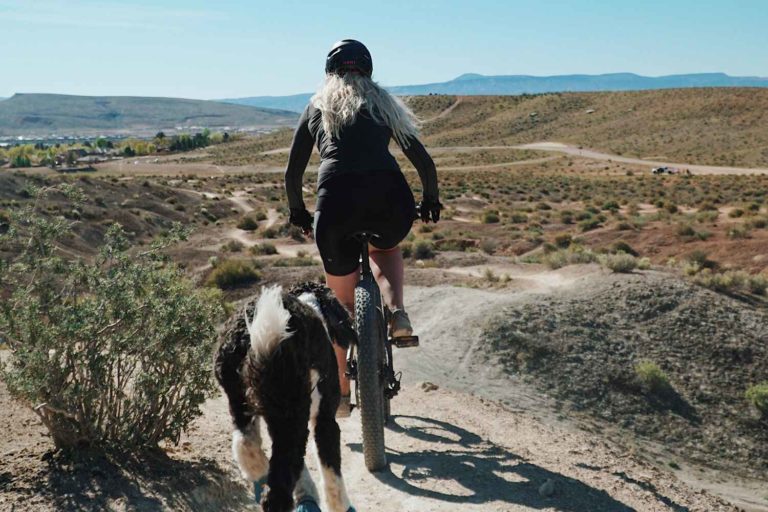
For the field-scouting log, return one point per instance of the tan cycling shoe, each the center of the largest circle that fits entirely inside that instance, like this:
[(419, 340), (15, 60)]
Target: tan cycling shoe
[(400, 324)]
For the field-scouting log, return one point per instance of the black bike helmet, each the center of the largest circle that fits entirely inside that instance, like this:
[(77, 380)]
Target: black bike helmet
[(349, 54)]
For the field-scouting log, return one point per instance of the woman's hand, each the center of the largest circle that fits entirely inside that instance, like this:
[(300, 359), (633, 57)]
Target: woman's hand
[(302, 218), (428, 209)]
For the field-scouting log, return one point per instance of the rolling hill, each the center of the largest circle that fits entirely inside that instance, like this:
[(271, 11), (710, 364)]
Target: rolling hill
[(714, 126), (44, 114), (475, 84)]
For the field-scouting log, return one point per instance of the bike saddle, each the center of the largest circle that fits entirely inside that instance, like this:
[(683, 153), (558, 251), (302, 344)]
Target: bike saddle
[(364, 236)]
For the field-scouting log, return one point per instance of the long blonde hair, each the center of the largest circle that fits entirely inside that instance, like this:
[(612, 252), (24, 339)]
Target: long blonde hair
[(340, 98)]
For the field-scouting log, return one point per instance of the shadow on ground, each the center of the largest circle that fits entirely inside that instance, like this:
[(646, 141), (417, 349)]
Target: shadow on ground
[(154, 483), (484, 472)]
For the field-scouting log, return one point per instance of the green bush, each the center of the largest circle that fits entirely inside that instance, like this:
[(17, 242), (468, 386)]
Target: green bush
[(299, 261), (757, 396), (490, 217), (563, 240), (575, 254), (265, 248), (652, 377), (233, 246), (589, 224), (620, 262), (112, 352), (233, 273), (20, 161), (488, 245), (248, 223), (423, 250), (622, 246)]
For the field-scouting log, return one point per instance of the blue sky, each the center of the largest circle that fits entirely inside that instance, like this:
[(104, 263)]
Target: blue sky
[(233, 48)]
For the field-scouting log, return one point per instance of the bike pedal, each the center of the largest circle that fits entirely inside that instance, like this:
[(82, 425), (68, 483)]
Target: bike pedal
[(406, 341)]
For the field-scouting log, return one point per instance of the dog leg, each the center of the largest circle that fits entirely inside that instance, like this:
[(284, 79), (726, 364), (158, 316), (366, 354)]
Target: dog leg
[(289, 442), (327, 441), (248, 452), (306, 494)]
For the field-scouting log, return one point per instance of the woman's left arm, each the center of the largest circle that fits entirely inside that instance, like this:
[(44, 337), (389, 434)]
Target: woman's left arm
[(301, 150)]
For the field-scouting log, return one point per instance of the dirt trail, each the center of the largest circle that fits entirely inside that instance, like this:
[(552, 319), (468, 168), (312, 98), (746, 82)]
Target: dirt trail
[(475, 440), (596, 155), (445, 112)]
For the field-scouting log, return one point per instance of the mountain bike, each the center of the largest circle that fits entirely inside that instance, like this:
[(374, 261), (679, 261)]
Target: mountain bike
[(370, 363)]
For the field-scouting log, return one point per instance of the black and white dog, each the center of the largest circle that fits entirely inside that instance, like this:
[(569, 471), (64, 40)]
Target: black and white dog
[(276, 362)]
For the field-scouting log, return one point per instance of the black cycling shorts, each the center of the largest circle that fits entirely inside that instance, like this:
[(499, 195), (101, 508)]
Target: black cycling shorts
[(378, 201)]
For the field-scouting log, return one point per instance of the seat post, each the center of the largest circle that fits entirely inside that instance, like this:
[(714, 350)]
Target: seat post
[(365, 261)]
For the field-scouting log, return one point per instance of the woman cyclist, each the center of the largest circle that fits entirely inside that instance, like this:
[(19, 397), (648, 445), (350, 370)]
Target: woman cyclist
[(351, 120)]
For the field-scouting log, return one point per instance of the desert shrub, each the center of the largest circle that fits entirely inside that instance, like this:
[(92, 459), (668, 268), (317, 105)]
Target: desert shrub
[(518, 218), (111, 352), (707, 207), (574, 255), (701, 258), (620, 262), (270, 233), (757, 396), (686, 230), (302, 259), (490, 276), (233, 246), (736, 213), (563, 240), (624, 247), (260, 215), (423, 250), (233, 273), (407, 249), (738, 232), (652, 377), (757, 284), (644, 263), (248, 223), (488, 245), (731, 281), (707, 216), (264, 249), (758, 223), (589, 224), (20, 161), (490, 217)]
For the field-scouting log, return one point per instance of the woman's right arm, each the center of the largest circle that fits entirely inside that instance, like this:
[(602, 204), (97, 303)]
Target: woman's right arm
[(425, 166), (301, 150)]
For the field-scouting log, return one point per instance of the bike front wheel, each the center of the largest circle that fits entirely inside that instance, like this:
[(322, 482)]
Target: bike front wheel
[(370, 377)]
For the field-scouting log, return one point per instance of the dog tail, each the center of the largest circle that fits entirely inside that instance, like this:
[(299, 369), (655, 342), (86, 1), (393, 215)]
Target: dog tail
[(270, 322)]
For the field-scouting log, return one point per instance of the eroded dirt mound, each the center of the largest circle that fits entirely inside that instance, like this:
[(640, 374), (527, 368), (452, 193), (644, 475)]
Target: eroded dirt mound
[(583, 345)]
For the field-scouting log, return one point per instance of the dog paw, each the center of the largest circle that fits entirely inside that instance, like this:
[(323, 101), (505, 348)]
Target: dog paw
[(258, 489), (307, 505)]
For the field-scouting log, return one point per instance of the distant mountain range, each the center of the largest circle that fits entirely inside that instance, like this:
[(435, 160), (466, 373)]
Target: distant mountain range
[(46, 114), (473, 84)]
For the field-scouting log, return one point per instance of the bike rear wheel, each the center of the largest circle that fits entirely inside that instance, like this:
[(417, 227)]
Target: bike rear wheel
[(370, 378)]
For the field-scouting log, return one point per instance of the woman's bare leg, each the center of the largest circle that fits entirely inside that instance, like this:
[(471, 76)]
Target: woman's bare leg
[(387, 266), (344, 288)]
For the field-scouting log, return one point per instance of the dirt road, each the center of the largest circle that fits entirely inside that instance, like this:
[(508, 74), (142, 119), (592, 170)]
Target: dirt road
[(596, 155)]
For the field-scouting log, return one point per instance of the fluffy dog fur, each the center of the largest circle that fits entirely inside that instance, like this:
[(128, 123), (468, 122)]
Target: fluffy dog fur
[(276, 362)]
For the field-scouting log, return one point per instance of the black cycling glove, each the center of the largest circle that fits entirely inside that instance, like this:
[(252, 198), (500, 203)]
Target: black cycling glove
[(302, 218), (429, 209)]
